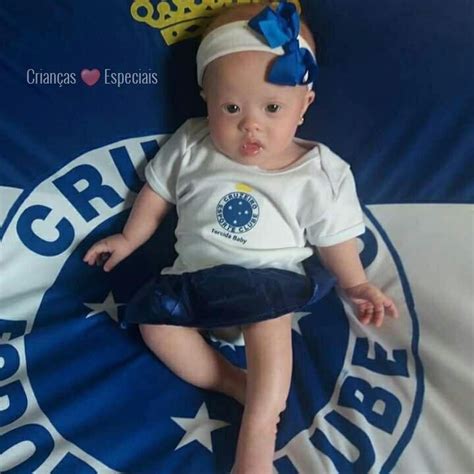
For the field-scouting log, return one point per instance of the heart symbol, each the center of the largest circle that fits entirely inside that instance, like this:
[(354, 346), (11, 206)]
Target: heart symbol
[(90, 76)]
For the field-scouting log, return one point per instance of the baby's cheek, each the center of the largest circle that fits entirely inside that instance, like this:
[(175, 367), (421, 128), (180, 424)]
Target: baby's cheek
[(221, 141), (214, 133), (283, 137)]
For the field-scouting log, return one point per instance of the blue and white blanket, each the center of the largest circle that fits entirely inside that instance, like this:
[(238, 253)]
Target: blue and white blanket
[(88, 92)]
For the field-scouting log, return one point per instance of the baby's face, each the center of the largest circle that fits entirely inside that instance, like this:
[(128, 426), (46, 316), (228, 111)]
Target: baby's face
[(253, 121)]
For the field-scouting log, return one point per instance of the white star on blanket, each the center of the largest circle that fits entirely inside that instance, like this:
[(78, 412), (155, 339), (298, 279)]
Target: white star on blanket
[(295, 321), (108, 306), (198, 428)]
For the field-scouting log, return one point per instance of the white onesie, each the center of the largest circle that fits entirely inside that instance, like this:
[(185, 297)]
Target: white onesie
[(230, 213)]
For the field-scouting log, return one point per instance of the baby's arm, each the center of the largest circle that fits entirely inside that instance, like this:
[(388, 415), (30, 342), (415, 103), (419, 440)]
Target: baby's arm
[(344, 262), (146, 215)]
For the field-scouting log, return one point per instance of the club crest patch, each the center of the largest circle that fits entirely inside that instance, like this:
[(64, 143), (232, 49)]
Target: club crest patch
[(238, 212)]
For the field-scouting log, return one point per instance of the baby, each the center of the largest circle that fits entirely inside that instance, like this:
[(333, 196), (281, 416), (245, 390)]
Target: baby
[(255, 206)]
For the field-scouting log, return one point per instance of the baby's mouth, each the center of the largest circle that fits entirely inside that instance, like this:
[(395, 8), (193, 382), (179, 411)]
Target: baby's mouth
[(251, 147)]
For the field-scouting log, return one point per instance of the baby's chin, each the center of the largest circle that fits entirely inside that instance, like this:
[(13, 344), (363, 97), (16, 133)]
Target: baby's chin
[(247, 157), (248, 160)]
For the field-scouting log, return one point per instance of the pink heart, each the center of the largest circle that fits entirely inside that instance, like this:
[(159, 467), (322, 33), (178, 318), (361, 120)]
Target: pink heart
[(90, 76)]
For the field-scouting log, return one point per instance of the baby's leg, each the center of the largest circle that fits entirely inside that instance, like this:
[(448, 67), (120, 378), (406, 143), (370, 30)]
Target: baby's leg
[(188, 355), (269, 365)]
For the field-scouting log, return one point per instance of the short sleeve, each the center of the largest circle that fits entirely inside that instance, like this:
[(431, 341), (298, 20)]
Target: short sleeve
[(162, 172), (342, 219)]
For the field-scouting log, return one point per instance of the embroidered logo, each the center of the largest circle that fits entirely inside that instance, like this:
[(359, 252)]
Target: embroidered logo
[(238, 212)]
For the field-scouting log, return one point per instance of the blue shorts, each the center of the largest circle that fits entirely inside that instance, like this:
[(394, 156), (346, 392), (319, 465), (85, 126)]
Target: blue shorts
[(227, 295)]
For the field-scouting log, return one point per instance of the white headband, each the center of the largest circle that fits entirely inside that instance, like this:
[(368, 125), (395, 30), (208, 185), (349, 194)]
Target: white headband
[(234, 37)]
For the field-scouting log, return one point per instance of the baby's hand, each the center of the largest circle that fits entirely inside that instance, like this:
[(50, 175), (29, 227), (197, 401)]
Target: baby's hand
[(108, 252), (371, 303)]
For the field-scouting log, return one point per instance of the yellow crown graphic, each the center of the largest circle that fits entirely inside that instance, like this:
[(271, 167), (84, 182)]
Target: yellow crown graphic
[(244, 188), (179, 20)]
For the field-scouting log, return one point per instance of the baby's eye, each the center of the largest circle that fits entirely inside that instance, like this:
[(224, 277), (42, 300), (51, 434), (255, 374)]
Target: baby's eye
[(273, 108), (231, 108)]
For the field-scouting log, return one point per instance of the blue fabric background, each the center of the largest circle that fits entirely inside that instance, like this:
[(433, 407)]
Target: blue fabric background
[(395, 95), (394, 98)]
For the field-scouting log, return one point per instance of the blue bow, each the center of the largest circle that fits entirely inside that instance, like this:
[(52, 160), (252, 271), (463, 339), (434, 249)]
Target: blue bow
[(281, 27)]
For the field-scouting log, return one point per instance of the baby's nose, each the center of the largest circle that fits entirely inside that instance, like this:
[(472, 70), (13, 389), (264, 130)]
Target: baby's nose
[(250, 123)]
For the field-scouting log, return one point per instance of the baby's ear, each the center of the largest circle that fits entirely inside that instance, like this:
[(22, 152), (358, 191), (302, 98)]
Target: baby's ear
[(311, 97)]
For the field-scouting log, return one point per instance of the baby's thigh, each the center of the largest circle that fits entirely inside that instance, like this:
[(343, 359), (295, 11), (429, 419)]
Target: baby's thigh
[(164, 333)]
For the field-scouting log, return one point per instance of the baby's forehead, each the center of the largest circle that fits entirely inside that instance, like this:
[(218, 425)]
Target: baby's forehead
[(251, 91)]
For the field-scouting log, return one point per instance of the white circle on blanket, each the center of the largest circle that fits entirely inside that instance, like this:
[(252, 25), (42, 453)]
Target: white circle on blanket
[(362, 423)]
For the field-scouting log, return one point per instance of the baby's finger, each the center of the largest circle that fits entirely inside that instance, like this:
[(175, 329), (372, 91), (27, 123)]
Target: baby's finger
[(391, 308), (91, 255), (378, 315), (366, 312), (113, 259)]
